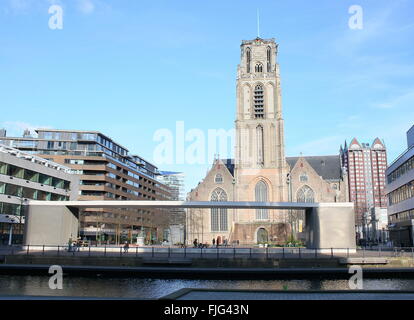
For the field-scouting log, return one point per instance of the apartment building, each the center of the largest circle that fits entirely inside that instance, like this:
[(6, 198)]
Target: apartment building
[(400, 192), (25, 177), (107, 171), (366, 164)]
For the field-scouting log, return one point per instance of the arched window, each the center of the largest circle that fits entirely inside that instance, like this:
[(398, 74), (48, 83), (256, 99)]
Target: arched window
[(305, 194), (260, 145), (259, 67), (269, 59), (248, 58), (218, 216), (261, 196), (218, 178), (258, 101)]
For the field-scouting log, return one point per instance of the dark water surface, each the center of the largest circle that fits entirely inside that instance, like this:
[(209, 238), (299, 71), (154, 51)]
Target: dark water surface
[(156, 288)]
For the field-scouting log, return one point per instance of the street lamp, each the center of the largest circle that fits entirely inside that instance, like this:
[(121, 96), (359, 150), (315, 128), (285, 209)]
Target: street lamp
[(23, 203), (289, 182)]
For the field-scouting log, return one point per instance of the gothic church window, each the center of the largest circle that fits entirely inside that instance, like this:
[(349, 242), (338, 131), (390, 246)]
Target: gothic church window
[(218, 215), (269, 59), (261, 196), (258, 101), (248, 58), (259, 67), (260, 145), (305, 194)]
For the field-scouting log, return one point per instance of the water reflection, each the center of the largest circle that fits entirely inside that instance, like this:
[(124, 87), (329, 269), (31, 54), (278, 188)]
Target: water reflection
[(156, 288)]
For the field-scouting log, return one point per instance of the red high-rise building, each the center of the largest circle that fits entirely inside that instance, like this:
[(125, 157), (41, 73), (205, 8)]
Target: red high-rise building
[(366, 165)]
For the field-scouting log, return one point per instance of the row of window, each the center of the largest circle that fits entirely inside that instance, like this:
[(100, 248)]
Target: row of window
[(66, 135), (11, 209), (402, 193), (219, 220), (134, 184), (29, 193), (29, 175), (402, 169), (219, 216), (402, 216)]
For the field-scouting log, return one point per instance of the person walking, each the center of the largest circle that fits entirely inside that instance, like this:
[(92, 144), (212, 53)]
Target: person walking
[(195, 243), (70, 245), (213, 241), (126, 247)]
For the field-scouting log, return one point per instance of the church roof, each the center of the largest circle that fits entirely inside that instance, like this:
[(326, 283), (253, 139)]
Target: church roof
[(328, 167), (230, 165)]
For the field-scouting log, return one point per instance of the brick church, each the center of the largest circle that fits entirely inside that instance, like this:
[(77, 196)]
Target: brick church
[(260, 171)]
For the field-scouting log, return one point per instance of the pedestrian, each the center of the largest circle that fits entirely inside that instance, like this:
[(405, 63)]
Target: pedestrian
[(195, 243), (70, 245), (218, 241), (126, 247), (213, 241)]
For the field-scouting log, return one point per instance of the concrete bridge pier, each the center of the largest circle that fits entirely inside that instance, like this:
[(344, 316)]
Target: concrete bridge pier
[(330, 225)]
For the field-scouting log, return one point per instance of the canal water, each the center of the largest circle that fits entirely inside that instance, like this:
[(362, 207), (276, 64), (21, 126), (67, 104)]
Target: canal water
[(156, 288)]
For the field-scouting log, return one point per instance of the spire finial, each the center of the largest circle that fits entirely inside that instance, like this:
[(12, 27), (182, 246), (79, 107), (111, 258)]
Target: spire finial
[(258, 24)]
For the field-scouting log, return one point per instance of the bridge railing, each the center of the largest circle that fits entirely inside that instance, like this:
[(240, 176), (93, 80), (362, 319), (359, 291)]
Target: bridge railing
[(221, 252)]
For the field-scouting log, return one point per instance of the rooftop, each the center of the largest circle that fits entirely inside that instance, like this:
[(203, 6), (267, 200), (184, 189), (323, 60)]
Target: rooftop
[(328, 167), (32, 158)]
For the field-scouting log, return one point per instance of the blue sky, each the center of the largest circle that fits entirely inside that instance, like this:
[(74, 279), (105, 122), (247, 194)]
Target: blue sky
[(129, 68)]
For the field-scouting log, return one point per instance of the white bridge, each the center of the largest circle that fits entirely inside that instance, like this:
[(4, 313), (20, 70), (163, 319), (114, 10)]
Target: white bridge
[(328, 225)]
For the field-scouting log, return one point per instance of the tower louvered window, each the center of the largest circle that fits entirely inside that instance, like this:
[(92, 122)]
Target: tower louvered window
[(258, 102)]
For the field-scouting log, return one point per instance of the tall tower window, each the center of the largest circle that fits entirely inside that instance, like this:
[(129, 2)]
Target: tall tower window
[(261, 196), (258, 100), (259, 67), (269, 59), (248, 58), (219, 215), (260, 145)]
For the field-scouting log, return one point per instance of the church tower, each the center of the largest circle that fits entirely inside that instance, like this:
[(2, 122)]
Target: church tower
[(260, 165)]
